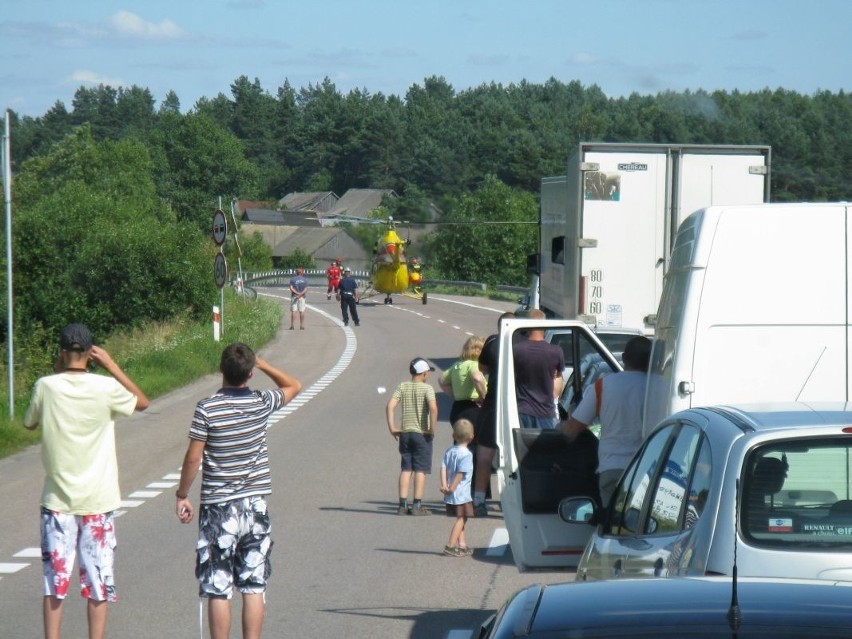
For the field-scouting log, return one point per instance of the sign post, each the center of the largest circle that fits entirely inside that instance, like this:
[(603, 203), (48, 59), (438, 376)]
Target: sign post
[(220, 268)]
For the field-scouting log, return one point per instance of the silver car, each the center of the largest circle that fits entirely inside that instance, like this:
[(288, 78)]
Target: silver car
[(771, 483)]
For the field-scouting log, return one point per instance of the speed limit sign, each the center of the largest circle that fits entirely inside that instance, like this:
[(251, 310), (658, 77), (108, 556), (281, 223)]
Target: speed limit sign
[(220, 270), (220, 227)]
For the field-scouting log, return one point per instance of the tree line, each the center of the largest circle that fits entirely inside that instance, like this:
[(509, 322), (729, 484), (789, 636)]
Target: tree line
[(139, 179)]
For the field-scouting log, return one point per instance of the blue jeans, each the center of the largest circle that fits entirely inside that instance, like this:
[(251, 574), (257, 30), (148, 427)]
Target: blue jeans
[(533, 421)]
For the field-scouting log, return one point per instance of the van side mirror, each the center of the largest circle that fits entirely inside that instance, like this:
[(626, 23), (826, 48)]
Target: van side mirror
[(579, 510)]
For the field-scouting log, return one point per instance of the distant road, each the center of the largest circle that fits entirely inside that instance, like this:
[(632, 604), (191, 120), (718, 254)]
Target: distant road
[(344, 564)]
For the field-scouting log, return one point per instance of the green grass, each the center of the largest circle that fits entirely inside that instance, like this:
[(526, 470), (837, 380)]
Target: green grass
[(160, 357)]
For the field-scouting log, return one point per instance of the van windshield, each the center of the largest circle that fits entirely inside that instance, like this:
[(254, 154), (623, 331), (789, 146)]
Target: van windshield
[(799, 494)]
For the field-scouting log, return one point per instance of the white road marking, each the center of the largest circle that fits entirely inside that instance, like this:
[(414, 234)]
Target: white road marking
[(131, 503), (162, 484), (499, 543), (8, 569), (28, 552), (145, 494)]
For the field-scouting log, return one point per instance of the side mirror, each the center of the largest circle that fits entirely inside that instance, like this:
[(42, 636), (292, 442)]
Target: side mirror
[(578, 510)]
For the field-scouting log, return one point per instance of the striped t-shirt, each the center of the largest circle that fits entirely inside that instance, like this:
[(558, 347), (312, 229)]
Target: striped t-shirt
[(233, 424)]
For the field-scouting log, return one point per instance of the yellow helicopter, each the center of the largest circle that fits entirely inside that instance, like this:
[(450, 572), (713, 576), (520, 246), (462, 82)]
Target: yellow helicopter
[(392, 273)]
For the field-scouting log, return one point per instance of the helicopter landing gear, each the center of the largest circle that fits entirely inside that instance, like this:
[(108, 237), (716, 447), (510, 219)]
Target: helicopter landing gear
[(388, 300)]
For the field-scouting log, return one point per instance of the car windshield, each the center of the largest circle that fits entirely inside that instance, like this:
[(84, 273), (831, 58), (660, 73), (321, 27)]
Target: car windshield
[(798, 493)]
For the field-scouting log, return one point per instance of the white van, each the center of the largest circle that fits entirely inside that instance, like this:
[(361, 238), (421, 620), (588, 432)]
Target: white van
[(755, 307)]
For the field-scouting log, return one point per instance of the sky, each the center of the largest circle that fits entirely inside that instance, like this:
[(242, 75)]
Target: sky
[(197, 48)]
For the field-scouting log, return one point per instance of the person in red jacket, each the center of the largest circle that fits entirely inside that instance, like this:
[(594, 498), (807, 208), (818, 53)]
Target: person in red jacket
[(333, 275)]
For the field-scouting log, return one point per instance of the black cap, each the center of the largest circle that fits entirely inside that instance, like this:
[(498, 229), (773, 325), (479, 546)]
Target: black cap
[(75, 337)]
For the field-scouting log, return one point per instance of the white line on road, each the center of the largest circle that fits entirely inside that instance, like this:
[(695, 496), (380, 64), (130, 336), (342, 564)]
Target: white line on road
[(8, 569), (499, 543)]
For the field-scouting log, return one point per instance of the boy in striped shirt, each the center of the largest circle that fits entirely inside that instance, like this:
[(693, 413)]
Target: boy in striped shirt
[(228, 442)]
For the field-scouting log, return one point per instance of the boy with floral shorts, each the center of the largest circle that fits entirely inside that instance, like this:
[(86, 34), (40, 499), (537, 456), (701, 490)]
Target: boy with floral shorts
[(76, 411), (233, 524)]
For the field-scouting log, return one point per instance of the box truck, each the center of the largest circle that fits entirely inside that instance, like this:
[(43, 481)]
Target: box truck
[(756, 308), (607, 226)]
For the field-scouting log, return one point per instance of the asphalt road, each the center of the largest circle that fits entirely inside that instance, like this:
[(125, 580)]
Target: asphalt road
[(344, 564)]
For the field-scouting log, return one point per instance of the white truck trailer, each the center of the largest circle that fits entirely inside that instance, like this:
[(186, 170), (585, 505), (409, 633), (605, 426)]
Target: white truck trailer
[(607, 226)]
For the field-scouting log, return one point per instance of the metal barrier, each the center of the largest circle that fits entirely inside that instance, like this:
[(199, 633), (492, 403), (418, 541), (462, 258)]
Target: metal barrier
[(317, 277)]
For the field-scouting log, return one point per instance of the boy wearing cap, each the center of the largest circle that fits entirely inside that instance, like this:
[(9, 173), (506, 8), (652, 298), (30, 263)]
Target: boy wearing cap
[(76, 411), (419, 413), (347, 296)]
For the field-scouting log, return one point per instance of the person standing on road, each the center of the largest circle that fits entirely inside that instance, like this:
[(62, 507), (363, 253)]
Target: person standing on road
[(618, 401), (76, 411), (486, 426), (456, 475), (419, 410), (465, 383), (538, 377), (298, 292), (332, 273), (228, 442), (347, 295)]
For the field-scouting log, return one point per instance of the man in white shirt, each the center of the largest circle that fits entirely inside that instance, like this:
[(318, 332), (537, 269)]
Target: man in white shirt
[(619, 408), (76, 410)]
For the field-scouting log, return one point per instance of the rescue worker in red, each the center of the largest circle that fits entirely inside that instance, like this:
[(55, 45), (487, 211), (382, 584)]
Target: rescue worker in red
[(333, 275)]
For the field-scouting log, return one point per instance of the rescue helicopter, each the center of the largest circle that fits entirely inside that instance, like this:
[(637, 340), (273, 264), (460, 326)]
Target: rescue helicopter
[(392, 273)]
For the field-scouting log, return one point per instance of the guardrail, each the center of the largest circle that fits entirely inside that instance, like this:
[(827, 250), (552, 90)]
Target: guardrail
[(317, 277)]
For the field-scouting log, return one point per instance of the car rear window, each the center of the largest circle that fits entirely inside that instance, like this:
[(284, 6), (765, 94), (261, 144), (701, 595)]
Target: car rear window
[(799, 493)]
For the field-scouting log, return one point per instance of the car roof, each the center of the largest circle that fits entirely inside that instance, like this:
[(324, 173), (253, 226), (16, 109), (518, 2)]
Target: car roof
[(771, 416), (667, 607)]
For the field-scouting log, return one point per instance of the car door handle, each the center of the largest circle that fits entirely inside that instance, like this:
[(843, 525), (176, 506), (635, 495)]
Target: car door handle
[(617, 569), (658, 567)]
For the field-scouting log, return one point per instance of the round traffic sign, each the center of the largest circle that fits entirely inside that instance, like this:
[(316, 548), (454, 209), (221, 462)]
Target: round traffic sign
[(220, 270), (220, 227)]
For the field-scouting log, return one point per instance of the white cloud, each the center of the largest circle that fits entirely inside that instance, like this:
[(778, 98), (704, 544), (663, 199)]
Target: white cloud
[(84, 76), (131, 25), (583, 57)]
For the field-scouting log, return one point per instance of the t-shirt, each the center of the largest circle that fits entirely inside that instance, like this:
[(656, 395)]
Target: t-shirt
[(622, 402), (414, 399), (460, 376), (233, 425), (298, 283), (348, 285), (458, 459), (76, 413), (488, 357), (333, 273), (536, 362)]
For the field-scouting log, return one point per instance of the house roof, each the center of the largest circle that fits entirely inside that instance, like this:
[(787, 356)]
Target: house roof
[(307, 240), (262, 216), (283, 218), (245, 205), (359, 202), (308, 201)]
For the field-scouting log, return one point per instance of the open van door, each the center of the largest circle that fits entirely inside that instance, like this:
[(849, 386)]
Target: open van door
[(538, 468)]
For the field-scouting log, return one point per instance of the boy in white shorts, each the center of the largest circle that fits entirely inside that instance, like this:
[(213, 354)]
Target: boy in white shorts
[(75, 410)]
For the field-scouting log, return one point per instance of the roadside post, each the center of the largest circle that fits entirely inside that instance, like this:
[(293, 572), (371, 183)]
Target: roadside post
[(220, 270)]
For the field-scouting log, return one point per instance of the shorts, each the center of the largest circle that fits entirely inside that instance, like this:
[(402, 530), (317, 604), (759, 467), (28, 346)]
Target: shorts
[(460, 510), (297, 304), (89, 538), (416, 452), (486, 428), (233, 548), (534, 421)]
